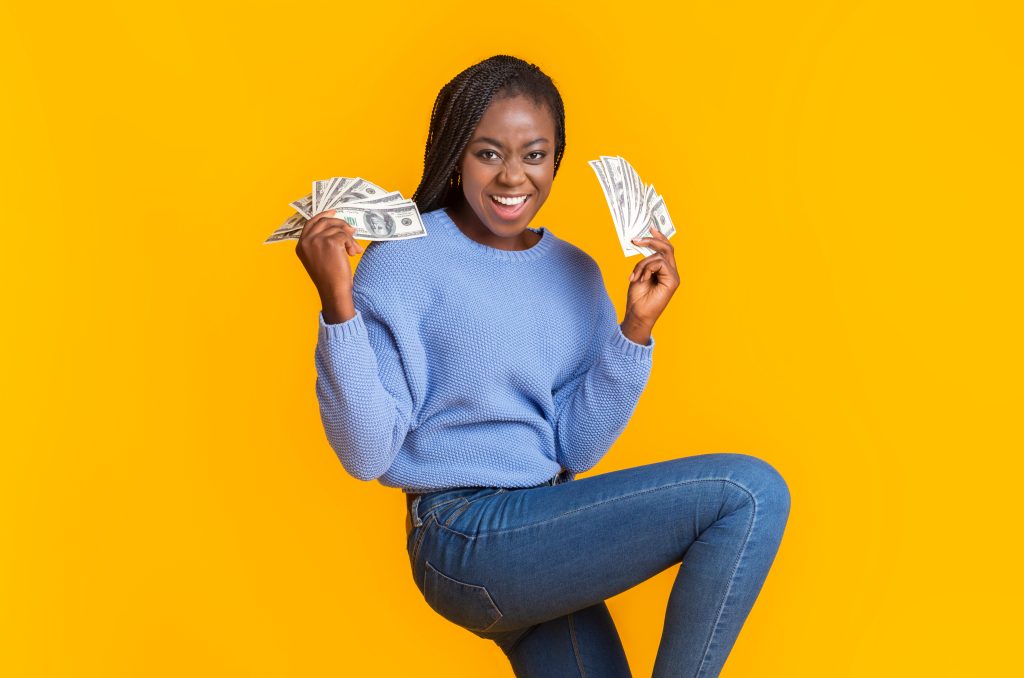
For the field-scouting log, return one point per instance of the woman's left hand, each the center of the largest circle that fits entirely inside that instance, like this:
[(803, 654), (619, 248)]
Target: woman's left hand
[(654, 280)]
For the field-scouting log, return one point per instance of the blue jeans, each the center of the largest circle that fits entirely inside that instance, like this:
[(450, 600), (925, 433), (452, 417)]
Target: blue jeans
[(530, 568)]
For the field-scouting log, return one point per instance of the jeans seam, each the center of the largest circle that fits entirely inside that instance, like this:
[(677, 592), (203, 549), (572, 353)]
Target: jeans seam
[(732, 579), (442, 503), (584, 508), (455, 514), (469, 502), (576, 647), (430, 510), (419, 538), (449, 501)]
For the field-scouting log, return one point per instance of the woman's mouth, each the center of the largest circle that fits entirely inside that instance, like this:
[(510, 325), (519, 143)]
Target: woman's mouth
[(509, 207)]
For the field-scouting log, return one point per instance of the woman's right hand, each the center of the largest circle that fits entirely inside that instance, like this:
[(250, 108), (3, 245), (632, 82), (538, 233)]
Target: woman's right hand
[(323, 248)]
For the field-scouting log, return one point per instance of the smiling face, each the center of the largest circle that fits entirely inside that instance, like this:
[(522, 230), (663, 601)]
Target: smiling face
[(507, 169)]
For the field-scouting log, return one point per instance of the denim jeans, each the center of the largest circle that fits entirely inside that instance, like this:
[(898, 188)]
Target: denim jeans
[(530, 568)]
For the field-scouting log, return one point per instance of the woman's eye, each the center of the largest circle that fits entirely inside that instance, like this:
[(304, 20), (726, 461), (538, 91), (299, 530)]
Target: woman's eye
[(539, 154), (482, 154)]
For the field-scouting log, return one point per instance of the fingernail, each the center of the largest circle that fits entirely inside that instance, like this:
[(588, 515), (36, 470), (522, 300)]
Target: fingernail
[(631, 275)]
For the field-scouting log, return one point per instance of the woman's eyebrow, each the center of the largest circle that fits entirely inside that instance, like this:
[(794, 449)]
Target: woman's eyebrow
[(497, 143)]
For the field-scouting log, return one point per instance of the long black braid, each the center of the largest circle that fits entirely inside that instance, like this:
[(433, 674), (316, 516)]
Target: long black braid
[(457, 110)]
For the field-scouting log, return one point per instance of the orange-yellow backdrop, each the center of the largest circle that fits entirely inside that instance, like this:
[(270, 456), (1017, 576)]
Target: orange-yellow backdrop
[(845, 180)]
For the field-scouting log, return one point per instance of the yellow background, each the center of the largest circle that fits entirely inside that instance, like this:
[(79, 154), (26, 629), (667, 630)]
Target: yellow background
[(845, 180)]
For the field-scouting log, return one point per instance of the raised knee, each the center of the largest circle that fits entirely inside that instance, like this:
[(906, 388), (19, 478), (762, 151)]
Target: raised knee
[(762, 480)]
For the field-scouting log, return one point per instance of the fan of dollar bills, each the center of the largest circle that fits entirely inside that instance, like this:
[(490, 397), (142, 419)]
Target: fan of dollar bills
[(635, 206), (377, 214)]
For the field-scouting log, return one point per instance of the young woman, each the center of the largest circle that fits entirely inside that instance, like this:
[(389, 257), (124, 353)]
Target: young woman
[(481, 367)]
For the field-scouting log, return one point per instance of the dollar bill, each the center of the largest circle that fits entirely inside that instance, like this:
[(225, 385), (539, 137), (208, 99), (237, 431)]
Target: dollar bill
[(334, 193), (388, 221), (320, 191), (359, 189), (376, 213), (304, 206), (330, 193), (289, 229), (393, 196), (635, 207)]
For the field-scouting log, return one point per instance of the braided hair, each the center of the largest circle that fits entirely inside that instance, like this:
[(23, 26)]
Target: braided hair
[(458, 109)]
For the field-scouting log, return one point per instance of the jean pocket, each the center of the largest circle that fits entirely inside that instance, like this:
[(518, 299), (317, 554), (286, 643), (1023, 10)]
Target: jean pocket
[(467, 605)]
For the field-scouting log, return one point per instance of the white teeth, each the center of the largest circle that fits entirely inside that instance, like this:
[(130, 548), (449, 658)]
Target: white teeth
[(509, 201)]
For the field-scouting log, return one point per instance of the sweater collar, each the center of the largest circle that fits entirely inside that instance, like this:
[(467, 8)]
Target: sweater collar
[(467, 243)]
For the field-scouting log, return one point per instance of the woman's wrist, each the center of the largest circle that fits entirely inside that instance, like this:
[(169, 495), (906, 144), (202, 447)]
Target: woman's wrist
[(636, 329), (337, 307)]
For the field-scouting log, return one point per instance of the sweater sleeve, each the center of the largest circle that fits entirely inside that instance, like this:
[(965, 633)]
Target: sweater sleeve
[(592, 409), (366, 404)]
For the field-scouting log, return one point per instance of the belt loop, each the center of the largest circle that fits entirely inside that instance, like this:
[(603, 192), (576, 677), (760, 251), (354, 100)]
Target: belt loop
[(414, 511)]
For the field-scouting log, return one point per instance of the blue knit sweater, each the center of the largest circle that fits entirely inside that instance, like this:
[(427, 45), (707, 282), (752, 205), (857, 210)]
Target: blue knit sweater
[(467, 365)]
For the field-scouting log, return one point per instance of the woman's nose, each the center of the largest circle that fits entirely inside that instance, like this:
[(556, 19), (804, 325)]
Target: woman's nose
[(512, 174)]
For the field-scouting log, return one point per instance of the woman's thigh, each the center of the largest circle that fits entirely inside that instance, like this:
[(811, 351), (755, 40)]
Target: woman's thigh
[(516, 558)]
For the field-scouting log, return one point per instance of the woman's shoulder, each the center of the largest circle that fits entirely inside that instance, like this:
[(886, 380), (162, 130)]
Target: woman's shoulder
[(396, 269), (575, 261), (379, 255)]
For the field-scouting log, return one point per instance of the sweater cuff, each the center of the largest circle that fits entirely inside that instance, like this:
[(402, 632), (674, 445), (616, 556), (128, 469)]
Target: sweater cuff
[(627, 346), (344, 331)]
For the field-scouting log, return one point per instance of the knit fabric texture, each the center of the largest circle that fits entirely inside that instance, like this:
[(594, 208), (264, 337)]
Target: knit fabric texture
[(467, 365)]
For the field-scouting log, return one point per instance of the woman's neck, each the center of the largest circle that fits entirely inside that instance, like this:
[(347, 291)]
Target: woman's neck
[(463, 216)]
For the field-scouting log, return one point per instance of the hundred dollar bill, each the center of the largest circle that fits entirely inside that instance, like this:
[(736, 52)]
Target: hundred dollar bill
[(329, 192), (393, 196), (635, 207), (304, 206), (609, 193), (359, 189), (660, 216), (656, 215), (289, 229), (377, 214), (320, 190), (617, 184), (611, 176), (387, 221), (383, 222)]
